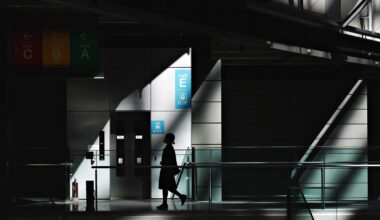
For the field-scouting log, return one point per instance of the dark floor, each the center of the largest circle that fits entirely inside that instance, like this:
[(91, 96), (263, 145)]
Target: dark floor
[(146, 209)]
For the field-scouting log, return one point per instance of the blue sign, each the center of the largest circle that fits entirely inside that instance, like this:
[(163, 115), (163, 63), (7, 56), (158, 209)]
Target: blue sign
[(158, 127), (183, 89)]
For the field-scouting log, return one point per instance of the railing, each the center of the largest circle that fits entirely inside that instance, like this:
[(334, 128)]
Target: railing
[(300, 206), (186, 161), (330, 126), (316, 190), (318, 165)]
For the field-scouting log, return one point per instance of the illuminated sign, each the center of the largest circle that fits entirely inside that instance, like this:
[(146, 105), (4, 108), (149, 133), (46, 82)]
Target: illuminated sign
[(27, 48), (120, 161), (183, 89), (84, 48), (158, 127), (56, 48)]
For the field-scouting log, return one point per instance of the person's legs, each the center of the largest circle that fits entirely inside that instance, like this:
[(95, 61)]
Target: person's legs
[(175, 192), (164, 205), (181, 196), (164, 196)]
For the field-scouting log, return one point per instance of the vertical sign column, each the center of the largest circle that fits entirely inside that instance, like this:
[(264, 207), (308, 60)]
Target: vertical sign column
[(183, 89), (85, 49), (120, 148), (27, 48), (56, 48)]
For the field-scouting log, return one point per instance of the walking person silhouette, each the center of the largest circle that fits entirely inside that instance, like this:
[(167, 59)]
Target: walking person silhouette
[(167, 180)]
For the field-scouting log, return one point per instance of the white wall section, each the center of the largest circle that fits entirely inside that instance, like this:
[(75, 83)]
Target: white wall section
[(207, 131)]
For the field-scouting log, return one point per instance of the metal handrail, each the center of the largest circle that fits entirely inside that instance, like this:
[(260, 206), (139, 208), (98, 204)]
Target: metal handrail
[(194, 166), (301, 188), (182, 164), (307, 204), (289, 214), (287, 147), (237, 147), (318, 164), (327, 129)]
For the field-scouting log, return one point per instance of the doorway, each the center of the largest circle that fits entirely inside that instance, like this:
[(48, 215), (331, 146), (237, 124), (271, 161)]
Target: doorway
[(130, 137)]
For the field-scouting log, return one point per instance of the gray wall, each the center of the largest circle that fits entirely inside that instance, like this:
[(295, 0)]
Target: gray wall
[(347, 143), (266, 107), (87, 114)]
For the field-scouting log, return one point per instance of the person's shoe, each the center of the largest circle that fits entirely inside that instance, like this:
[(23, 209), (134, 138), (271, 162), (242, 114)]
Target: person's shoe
[(162, 207), (183, 199)]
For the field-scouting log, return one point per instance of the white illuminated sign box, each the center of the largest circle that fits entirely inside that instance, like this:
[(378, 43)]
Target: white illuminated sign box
[(139, 137), (120, 137), (120, 160)]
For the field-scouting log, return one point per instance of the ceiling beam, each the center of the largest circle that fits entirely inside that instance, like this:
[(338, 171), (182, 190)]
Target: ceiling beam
[(238, 21)]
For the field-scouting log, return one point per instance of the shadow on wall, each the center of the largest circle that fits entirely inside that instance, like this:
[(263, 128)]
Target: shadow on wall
[(202, 95), (205, 93), (92, 127), (82, 167), (146, 64), (350, 182), (343, 180), (91, 140)]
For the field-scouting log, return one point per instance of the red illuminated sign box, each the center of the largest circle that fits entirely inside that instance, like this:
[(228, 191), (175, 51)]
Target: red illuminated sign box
[(27, 48)]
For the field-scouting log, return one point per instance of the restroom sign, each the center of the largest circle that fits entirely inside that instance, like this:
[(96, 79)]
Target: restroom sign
[(158, 127), (183, 89)]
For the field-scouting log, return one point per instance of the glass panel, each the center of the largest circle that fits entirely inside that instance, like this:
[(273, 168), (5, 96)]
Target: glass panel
[(298, 208)]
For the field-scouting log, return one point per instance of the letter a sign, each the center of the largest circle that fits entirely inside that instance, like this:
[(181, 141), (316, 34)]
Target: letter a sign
[(84, 46)]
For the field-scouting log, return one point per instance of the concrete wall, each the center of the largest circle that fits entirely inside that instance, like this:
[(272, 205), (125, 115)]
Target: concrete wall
[(207, 132), (266, 107), (87, 114), (127, 87), (347, 144), (376, 16), (177, 121)]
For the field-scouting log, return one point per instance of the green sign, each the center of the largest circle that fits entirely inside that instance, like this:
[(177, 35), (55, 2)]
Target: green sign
[(84, 49)]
